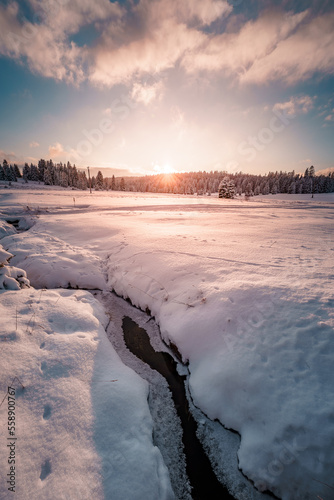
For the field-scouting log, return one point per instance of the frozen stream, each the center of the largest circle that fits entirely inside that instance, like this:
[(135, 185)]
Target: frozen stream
[(181, 431), (202, 478)]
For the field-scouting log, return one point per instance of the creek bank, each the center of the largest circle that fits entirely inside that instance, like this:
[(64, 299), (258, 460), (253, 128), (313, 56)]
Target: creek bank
[(202, 478)]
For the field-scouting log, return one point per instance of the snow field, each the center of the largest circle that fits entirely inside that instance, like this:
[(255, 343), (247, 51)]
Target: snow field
[(83, 426), (245, 292)]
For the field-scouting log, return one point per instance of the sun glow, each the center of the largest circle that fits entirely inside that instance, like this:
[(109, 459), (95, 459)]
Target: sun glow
[(164, 169)]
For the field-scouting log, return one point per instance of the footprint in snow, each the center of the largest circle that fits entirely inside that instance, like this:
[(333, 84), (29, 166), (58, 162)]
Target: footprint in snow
[(47, 412), (42, 345), (45, 470)]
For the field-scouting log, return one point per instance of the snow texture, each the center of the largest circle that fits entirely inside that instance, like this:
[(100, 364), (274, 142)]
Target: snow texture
[(11, 278), (244, 290), (6, 229), (83, 426), (52, 263)]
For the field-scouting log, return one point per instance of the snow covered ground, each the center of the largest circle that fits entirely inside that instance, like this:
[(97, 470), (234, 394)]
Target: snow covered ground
[(243, 289)]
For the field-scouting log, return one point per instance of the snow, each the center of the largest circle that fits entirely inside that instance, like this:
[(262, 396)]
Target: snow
[(83, 426), (4, 256), (52, 263), (6, 229), (11, 278), (244, 289)]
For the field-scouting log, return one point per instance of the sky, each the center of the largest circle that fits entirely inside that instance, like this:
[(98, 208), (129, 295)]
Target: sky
[(150, 86)]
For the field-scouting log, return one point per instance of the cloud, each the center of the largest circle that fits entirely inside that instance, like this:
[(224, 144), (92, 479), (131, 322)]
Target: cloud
[(149, 37), (235, 53), (145, 93), (325, 171), (34, 144), (276, 46), (158, 50), (329, 118), (56, 151), (295, 105), (10, 157), (44, 44), (303, 53)]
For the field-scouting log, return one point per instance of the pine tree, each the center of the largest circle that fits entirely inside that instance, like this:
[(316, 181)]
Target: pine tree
[(34, 173), (274, 189), (41, 169), (113, 183), (17, 171), (12, 174), (49, 175), (82, 180), (6, 169), (226, 188), (99, 181), (63, 179), (26, 172), (122, 184)]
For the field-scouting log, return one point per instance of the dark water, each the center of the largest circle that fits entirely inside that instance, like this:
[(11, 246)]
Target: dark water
[(14, 222), (205, 485)]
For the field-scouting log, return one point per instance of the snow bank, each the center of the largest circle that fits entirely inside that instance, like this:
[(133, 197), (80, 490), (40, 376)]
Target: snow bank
[(260, 361), (4, 256), (11, 278), (50, 262), (83, 427), (6, 229)]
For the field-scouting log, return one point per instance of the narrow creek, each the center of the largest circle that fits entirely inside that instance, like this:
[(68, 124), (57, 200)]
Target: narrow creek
[(204, 483)]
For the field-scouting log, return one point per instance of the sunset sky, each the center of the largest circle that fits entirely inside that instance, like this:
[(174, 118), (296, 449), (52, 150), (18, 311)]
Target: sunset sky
[(144, 86)]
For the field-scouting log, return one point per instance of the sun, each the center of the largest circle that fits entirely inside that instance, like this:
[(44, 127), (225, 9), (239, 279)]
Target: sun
[(166, 169)]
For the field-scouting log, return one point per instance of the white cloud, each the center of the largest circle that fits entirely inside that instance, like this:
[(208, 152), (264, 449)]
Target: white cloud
[(160, 34), (296, 105), (152, 38), (325, 171), (306, 51), (9, 156), (235, 53), (34, 144), (157, 50), (276, 46), (56, 150), (146, 94), (329, 118)]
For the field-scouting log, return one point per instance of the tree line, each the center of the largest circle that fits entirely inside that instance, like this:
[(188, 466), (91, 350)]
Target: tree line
[(200, 183)]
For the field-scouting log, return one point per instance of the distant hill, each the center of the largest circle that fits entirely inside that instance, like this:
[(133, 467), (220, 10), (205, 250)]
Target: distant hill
[(109, 172)]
